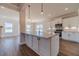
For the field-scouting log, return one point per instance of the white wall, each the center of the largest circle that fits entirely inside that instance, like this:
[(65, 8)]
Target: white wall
[(15, 27)]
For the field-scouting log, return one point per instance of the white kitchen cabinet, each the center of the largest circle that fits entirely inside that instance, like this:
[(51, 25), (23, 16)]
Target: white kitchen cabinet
[(71, 36), (77, 37), (65, 35), (55, 46), (29, 40), (44, 47), (22, 37), (35, 44), (26, 38)]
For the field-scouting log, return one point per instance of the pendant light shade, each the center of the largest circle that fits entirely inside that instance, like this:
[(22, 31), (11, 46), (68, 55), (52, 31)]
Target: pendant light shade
[(42, 12), (29, 17), (28, 11)]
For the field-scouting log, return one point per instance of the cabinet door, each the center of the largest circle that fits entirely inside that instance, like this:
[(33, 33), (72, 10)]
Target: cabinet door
[(44, 47), (72, 36), (65, 35), (22, 38), (26, 39), (55, 45), (29, 41), (77, 39), (35, 44), (69, 36)]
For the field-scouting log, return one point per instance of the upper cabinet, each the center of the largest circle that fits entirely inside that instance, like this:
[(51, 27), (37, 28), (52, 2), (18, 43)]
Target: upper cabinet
[(71, 24)]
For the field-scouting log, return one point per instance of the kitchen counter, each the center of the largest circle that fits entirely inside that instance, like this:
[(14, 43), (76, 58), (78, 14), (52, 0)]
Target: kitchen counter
[(73, 31), (43, 45), (44, 35)]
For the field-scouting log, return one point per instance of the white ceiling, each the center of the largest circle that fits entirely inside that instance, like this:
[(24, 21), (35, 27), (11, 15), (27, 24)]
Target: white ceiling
[(51, 10), (8, 14)]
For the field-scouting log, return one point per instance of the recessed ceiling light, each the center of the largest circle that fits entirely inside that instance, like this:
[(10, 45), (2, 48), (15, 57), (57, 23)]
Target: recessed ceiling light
[(2, 7), (66, 9)]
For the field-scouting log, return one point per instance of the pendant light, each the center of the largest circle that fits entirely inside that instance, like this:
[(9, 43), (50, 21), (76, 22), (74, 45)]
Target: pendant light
[(29, 18), (42, 11)]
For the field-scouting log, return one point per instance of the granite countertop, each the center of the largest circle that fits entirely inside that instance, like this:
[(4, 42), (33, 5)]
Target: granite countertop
[(71, 31), (44, 35)]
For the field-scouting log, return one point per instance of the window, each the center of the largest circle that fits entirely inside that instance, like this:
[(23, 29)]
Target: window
[(39, 29), (28, 28), (8, 27)]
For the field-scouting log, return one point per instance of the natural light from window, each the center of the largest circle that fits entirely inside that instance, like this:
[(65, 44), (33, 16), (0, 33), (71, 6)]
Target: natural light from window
[(8, 27), (39, 29), (28, 28)]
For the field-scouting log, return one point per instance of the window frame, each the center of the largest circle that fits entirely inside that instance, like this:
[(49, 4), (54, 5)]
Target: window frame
[(28, 28), (8, 27)]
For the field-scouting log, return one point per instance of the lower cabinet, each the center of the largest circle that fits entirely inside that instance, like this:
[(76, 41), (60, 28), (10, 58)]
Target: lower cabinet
[(65, 35), (77, 39), (41, 46), (22, 37), (35, 44), (55, 46), (71, 36), (29, 41), (44, 47)]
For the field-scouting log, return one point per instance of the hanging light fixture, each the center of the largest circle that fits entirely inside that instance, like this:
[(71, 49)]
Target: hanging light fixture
[(29, 18), (42, 11)]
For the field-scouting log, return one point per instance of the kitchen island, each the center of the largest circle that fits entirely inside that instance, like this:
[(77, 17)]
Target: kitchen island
[(44, 45)]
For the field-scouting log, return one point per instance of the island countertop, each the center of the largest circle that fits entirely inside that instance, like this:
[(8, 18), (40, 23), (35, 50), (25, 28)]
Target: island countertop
[(44, 35)]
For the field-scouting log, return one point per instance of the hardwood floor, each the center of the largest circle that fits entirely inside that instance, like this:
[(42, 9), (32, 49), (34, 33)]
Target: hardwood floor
[(11, 47), (68, 48), (25, 50)]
